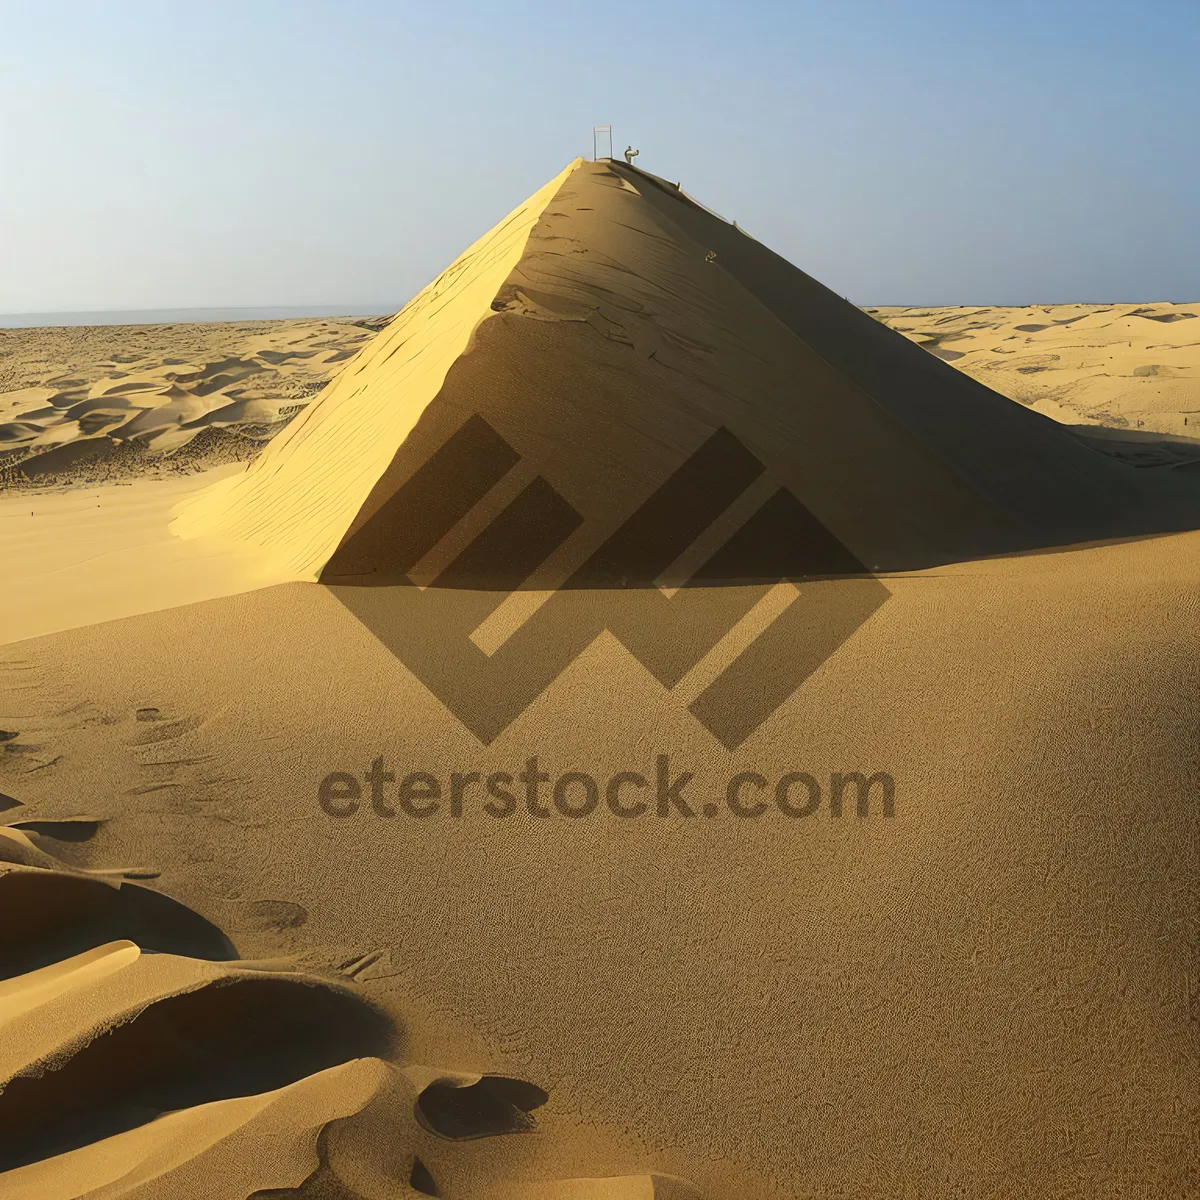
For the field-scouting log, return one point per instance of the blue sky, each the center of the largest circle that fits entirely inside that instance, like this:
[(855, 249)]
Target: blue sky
[(263, 152)]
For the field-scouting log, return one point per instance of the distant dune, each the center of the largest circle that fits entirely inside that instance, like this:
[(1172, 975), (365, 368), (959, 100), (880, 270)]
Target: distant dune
[(83, 404), (1124, 366)]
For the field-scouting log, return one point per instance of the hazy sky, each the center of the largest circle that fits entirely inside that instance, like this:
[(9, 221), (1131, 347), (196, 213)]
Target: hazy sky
[(297, 152)]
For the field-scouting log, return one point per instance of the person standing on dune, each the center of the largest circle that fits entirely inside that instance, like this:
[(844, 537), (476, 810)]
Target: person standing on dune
[(630, 154)]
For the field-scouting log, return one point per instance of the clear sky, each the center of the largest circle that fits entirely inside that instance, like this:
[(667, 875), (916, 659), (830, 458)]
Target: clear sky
[(311, 152)]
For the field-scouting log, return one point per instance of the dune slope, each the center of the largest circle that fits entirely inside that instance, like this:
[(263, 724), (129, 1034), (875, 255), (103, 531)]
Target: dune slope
[(602, 333)]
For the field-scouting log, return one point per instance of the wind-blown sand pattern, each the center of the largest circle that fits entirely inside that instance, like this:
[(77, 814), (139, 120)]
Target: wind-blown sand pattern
[(96, 403), (220, 988), (1126, 366)]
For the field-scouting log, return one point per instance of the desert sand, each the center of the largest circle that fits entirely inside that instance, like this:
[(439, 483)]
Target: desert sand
[(1126, 366), (96, 403), (623, 492)]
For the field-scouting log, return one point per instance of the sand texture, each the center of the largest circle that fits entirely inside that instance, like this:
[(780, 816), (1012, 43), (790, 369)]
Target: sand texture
[(622, 492), (1126, 366), (94, 403)]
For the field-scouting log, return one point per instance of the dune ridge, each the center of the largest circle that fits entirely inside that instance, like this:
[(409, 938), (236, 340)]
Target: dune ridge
[(302, 492), (607, 259)]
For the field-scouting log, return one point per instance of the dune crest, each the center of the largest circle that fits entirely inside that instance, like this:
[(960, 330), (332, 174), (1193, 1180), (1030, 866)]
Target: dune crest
[(25, 992), (300, 495)]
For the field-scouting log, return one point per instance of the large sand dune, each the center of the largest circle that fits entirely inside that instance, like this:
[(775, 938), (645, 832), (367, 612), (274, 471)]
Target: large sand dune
[(612, 371), (624, 493)]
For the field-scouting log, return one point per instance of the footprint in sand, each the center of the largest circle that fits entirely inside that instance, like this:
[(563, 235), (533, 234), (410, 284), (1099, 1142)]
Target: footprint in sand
[(139, 1057)]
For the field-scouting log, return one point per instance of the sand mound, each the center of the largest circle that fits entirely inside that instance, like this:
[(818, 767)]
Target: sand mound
[(67, 914), (229, 1148), (181, 1039), (607, 329)]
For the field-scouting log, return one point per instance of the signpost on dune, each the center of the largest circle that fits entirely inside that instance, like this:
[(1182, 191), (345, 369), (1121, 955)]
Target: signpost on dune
[(601, 133)]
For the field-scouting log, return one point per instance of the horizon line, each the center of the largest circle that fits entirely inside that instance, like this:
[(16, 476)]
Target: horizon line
[(203, 314)]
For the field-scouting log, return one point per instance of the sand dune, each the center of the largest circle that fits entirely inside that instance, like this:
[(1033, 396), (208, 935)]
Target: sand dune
[(227, 1147), (1124, 366), (95, 403), (637, 365), (305, 495), (650, 731)]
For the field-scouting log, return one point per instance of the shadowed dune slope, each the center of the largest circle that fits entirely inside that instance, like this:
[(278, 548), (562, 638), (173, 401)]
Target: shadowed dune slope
[(65, 914), (598, 338), (236, 1037)]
